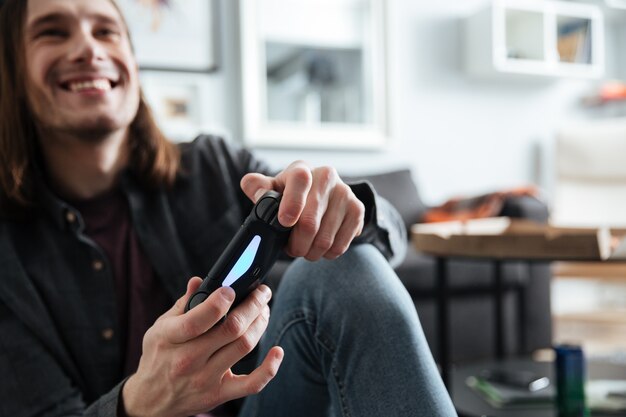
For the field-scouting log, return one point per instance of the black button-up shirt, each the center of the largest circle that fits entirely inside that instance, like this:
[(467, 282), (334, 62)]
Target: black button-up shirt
[(60, 352)]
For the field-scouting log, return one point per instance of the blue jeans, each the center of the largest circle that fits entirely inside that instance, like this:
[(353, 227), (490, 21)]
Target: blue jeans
[(353, 345)]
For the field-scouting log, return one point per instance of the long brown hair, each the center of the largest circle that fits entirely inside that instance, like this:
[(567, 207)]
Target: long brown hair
[(154, 158)]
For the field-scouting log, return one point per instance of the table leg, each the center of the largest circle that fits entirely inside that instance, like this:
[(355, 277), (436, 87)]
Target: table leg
[(521, 310), (498, 309), (443, 321)]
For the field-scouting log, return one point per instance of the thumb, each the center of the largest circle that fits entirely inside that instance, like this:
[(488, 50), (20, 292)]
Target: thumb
[(255, 185)]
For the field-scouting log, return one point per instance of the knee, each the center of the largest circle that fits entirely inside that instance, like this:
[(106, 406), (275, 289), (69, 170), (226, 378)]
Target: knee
[(360, 276)]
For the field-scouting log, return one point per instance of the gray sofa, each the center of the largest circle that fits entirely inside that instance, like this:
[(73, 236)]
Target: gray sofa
[(471, 306)]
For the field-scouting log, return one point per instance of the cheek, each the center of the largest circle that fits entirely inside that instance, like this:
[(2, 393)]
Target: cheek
[(37, 69)]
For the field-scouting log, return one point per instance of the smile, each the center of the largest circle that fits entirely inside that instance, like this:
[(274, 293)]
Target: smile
[(98, 84)]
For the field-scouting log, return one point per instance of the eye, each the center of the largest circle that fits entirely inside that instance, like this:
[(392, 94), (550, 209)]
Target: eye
[(106, 32), (52, 33)]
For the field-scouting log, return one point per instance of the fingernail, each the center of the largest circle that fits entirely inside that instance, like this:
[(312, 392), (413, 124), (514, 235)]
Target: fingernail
[(286, 219), (228, 293)]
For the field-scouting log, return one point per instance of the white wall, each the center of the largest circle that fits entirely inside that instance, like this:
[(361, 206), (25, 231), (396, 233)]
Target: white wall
[(460, 135)]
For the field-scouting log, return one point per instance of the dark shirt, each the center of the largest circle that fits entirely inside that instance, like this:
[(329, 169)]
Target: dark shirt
[(140, 297), (61, 344)]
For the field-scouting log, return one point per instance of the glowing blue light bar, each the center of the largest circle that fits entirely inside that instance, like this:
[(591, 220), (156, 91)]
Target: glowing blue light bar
[(243, 263)]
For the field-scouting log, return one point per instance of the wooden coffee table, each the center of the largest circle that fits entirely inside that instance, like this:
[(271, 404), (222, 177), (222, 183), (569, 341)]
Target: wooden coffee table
[(500, 240)]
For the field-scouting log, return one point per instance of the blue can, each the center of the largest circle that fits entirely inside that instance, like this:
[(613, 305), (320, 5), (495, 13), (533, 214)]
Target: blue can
[(570, 381)]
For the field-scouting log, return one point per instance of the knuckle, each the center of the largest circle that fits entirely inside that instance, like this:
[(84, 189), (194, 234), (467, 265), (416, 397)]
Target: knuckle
[(234, 326), (357, 208), (323, 242), (326, 175), (181, 366), (246, 343), (343, 190), (309, 224), (188, 329), (302, 173), (217, 310)]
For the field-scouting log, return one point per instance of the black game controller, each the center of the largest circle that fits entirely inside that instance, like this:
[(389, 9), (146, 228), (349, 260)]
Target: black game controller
[(250, 254)]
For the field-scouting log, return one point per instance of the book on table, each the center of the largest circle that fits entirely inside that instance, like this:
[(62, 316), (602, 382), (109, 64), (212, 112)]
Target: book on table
[(504, 396), (506, 237), (603, 396)]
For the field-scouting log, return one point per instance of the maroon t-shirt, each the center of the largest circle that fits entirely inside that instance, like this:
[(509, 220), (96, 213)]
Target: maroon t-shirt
[(140, 297)]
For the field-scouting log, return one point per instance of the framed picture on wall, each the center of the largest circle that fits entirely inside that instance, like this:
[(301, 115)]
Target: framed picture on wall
[(175, 35), (179, 103), (314, 73)]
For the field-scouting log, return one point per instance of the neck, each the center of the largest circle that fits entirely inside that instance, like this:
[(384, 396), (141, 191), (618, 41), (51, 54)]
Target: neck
[(82, 169)]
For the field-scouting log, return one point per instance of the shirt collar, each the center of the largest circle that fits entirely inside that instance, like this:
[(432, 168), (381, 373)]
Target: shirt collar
[(63, 214)]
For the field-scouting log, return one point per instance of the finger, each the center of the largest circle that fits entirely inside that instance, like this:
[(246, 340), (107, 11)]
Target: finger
[(332, 217), (351, 227), (325, 236), (237, 386), (197, 321), (255, 185), (179, 306), (306, 231), (296, 180), (239, 319), (224, 358), (307, 228), (344, 237)]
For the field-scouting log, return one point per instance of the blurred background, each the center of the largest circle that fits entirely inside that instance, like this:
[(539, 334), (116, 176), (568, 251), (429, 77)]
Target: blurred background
[(472, 97)]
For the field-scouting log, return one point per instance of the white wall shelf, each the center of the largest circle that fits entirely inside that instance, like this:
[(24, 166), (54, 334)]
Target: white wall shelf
[(536, 38)]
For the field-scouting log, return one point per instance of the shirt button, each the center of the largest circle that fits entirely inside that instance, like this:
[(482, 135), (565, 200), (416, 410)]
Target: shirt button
[(70, 216), (97, 265), (107, 334)]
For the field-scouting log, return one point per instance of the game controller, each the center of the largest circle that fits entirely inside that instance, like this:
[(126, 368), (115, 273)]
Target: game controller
[(249, 256)]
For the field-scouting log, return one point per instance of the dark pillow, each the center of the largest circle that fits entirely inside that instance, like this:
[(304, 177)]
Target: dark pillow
[(399, 189)]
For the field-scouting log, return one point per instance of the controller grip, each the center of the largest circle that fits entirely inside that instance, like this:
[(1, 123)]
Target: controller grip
[(250, 254)]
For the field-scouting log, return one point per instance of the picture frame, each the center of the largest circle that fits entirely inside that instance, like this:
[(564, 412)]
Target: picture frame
[(179, 103), (259, 33), (176, 35)]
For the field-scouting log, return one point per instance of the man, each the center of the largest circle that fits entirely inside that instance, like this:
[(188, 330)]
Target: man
[(104, 221)]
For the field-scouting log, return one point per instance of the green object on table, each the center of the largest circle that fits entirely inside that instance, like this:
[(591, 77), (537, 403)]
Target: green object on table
[(501, 396), (570, 381)]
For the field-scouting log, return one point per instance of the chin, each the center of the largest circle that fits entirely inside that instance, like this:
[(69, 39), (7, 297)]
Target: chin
[(98, 129)]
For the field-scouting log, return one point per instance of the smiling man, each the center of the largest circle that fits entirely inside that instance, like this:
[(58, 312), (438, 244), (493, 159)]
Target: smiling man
[(103, 222)]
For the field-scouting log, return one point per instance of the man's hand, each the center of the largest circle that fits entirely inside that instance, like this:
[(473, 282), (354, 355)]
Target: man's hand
[(185, 366), (324, 212)]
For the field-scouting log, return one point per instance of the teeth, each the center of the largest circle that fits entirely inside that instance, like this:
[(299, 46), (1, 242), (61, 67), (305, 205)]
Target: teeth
[(100, 84)]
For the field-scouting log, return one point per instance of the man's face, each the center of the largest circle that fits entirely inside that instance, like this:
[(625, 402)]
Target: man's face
[(81, 75)]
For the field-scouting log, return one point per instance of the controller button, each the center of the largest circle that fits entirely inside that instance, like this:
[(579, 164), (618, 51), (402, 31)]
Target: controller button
[(197, 299), (265, 208)]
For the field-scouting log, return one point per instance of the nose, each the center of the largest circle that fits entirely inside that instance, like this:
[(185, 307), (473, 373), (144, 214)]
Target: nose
[(85, 48)]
